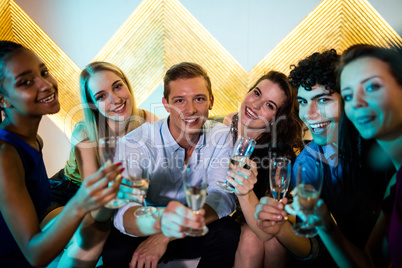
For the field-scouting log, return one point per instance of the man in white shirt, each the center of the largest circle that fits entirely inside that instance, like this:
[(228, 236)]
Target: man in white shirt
[(186, 137)]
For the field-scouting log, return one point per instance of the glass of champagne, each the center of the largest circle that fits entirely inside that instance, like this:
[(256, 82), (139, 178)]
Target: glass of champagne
[(279, 176), (108, 148), (195, 186), (308, 194), (242, 150), (138, 183)]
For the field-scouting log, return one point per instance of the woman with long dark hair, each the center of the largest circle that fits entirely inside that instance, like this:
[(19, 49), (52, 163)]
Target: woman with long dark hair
[(267, 114), (371, 87)]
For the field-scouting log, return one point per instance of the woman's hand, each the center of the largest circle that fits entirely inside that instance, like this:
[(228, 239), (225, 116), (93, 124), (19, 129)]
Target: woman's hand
[(243, 179), (94, 191)]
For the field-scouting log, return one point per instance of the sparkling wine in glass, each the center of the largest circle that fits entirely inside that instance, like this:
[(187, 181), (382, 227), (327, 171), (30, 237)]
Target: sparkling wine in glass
[(108, 148), (308, 194), (195, 187), (242, 150), (138, 183), (279, 176)]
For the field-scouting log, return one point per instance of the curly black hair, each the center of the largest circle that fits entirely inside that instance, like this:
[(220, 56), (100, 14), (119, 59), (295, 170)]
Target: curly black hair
[(318, 68)]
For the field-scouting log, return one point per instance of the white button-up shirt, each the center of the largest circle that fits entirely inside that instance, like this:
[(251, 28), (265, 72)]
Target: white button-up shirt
[(153, 145)]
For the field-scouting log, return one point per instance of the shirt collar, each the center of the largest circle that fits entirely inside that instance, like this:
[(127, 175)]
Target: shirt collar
[(170, 141), (330, 151)]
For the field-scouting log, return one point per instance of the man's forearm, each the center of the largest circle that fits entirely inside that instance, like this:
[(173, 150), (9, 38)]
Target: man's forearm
[(210, 214)]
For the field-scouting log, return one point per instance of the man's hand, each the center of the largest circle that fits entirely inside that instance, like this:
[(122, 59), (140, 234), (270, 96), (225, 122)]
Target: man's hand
[(176, 218), (270, 215), (150, 252)]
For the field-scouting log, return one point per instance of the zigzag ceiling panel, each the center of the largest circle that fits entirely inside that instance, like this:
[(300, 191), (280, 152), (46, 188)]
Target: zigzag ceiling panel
[(334, 24), (160, 33), (27, 32), (6, 29)]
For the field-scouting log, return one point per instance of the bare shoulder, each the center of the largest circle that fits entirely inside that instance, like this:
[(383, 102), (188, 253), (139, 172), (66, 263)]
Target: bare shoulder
[(8, 153), (11, 168), (86, 156), (79, 134), (86, 148), (228, 119), (149, 117)]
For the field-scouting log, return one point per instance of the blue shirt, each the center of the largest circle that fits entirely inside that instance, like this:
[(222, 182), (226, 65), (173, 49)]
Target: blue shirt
[(155, 143), (327, 154), (352, 199)]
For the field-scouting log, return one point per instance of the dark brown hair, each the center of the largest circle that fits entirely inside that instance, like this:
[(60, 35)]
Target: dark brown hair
[(389, 56), (7, 48), (288, 130)]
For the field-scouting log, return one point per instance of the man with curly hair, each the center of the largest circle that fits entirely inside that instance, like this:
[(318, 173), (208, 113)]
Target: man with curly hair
[(346, 186), (318, 95)]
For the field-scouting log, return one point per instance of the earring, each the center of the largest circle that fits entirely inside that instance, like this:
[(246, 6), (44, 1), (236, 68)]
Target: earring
[(5, 104)]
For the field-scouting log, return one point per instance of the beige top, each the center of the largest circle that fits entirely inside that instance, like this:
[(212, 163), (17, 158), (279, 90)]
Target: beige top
[(71, 170)]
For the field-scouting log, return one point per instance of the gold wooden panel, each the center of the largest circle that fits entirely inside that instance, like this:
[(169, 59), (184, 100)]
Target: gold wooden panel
[(66, 72), (6, 30), (334, 24), (160, 33)]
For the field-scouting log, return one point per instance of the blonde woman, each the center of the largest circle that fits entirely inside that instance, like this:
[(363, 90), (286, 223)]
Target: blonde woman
[(109, 110)]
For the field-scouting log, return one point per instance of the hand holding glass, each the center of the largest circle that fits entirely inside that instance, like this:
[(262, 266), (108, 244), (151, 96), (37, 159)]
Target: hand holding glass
[(242, 150), (307, 196), (195, 186), (138, 181), (108, 147)]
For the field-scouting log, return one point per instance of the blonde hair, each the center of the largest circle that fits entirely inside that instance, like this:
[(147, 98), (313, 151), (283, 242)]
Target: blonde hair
[(95, 122)]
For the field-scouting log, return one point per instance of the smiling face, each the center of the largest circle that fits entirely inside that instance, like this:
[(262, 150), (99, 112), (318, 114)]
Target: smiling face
[(188, 104), (261, 104), (372, 98), (29, 87), (111, 95), (321, 112)]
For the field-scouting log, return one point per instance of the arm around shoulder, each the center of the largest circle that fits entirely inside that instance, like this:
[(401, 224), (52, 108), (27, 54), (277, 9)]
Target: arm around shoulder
[(150, 117), (228, 119)]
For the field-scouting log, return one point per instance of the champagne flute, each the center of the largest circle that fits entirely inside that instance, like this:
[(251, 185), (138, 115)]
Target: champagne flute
[(138, 182), (108, 147), (279, 177), (242, 150), (195, 187), (308, 194)]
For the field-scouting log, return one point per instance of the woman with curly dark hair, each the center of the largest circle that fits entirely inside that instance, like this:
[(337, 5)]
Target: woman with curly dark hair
[(351, 188), (268, 114)]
